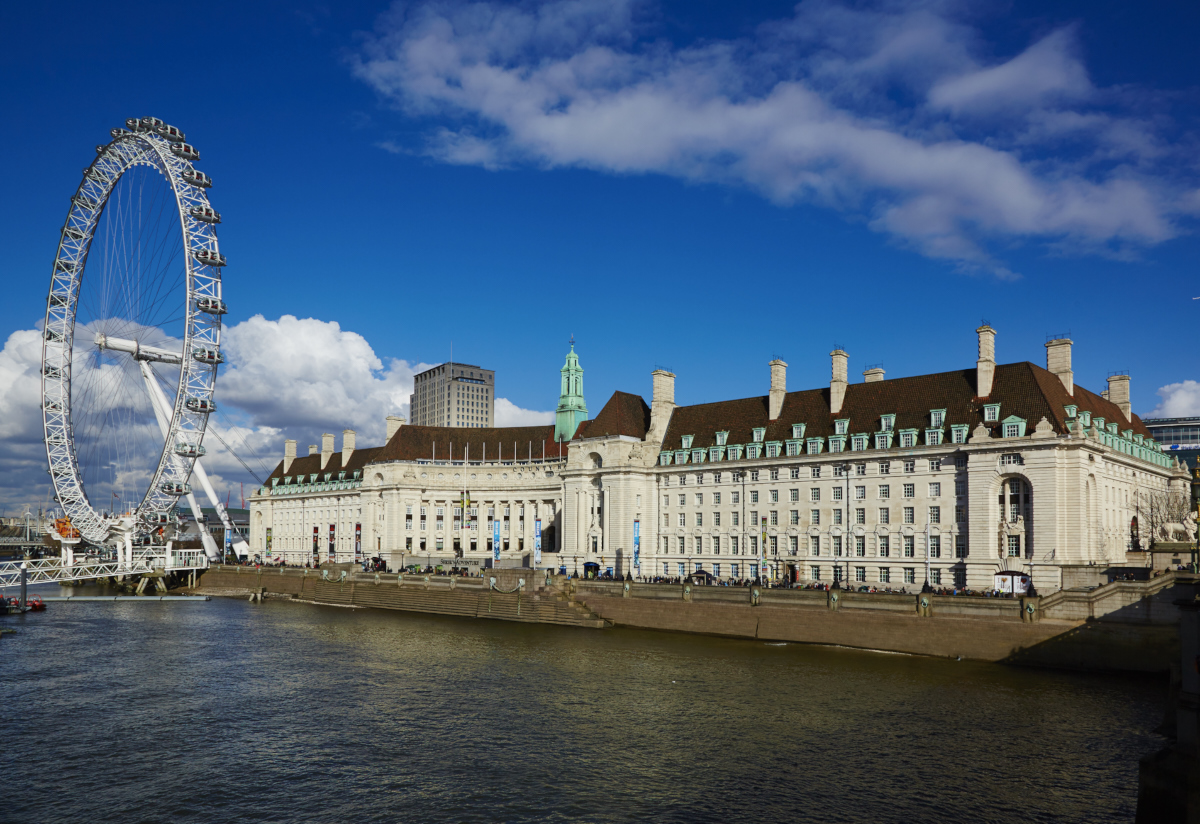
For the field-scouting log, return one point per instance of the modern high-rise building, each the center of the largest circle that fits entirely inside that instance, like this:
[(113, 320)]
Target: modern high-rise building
[(1178, 436), (455, 395)]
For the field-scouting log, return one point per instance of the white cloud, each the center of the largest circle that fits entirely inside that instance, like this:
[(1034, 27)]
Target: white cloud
[(285, 378), (509, 414), (804, 111), (1179, 400)]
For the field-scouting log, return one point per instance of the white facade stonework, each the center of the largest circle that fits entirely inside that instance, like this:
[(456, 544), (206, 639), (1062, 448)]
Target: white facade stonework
[(908, 480)]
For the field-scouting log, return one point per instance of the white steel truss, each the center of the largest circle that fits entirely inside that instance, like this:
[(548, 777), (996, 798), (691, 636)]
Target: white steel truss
[(51, 570)]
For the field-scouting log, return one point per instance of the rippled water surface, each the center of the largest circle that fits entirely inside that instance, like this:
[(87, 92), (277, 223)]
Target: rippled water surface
[(227, 711)]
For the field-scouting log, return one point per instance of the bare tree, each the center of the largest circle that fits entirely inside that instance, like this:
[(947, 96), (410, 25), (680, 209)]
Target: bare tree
[(1160, 509)]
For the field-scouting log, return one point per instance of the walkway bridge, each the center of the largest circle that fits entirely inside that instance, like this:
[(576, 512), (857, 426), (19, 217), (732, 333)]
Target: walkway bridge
[(53, 570)]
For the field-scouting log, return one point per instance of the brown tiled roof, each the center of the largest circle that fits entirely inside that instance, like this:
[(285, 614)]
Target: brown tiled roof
[(419, 443), (312, 463), (1022, 389), (624, 414)]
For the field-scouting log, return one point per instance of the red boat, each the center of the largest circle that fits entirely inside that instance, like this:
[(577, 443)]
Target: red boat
[(35, 603)]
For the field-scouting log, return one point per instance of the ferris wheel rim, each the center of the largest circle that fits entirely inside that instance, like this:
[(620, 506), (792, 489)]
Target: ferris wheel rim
[(200, 355)]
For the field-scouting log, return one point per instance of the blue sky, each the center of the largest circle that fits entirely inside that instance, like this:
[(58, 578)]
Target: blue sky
[(695, 184)]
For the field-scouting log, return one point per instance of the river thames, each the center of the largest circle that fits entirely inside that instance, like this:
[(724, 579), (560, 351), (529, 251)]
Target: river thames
[(227, 711)]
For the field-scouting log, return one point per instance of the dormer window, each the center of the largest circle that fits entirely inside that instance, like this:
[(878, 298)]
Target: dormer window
[(356, 474), (958, 433), (991, 412), (937, 418), (1072, 410), (759, 433), (722, 438), (841, 427), (908, 438), (687, 441), (312, 479), (797, 430), (814, 446), (887, 423), (287, 479), (1085, 417), (1013, 427), (858, 443), (1098, 422), (1112, 428)]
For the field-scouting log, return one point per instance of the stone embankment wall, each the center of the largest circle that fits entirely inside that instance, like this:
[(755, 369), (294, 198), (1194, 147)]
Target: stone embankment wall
[(1125, 625), (509, 600), (1120, 626)]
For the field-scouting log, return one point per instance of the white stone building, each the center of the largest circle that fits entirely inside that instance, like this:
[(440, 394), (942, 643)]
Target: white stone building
[(953, 477)]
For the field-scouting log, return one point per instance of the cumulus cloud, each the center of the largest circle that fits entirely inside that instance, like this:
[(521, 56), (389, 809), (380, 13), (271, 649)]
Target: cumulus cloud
[(285, 378), (805, 110), (1179, 400)]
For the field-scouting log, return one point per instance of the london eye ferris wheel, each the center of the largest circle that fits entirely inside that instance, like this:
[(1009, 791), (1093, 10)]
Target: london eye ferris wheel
[(132, 339)]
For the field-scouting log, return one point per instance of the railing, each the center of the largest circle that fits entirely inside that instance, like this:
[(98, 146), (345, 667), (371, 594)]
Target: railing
[(52, 570)]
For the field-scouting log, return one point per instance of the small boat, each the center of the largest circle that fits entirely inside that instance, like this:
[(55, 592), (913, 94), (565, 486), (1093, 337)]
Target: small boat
[(35, 603)]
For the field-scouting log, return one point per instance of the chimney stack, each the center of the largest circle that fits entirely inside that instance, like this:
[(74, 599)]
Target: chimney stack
[(837, 384), (326, 448), (1118, 393), (873, 375), (985, 367), (347, 446), (312, 449), (394, 422), (1058, 362), (662, 404), (289, 454), (778, 387)]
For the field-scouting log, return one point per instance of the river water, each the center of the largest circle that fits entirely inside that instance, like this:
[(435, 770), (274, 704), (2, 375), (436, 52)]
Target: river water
[(227, 711)]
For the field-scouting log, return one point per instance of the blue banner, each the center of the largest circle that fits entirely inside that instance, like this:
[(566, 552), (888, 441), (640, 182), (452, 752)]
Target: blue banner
[(637, 546), (495, 539), (537, 542)]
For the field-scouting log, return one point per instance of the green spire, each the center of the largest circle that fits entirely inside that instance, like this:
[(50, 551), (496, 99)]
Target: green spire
[(572, 410)]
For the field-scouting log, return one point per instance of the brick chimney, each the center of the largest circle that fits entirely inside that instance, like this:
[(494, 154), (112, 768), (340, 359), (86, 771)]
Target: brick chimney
[(326, 448), (347, 446), (1118, 393), (394, 422), (837, 384), (289, 454), (778, 387), (662, 404), (985, 367), (1058, 362), (873, 375)]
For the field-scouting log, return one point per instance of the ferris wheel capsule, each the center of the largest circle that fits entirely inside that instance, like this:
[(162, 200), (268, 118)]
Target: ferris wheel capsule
[(197, 178), (211, 305), (201, 405), (176, 489), (190, 450), (210, 258), (151, 124), (170, 133), (185, 151), (212, 356), (205, 214)]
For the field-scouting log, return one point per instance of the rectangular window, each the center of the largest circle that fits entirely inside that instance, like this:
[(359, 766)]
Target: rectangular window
[(774, 544), (814, 545), (860, 516), (699, 499), (717, 497), (860, 493), (774, 474), (839, 470), (682, 545), (774, 517), (814, 472), (699, 519), (937, 417), (885, 575), (837, 493), (860, 546), (794, 473), (683, 500), (754, 474), (960, 514), (716, 519), (991, 412), (860, 573), (682, 519), (794, 517), (885, 467), (935, 490), (753, 518), (935, 576), (794, 495), (774, 496), (885, 491), (754, 496), (960, 488), (837, 546), (935, 464), (906, 440), (837, 517), (1014, 546), (909, 547), (885, 546), (959, 434), (910, 490), (1012, 430), (734, 497), (814, 494), (960, 547), (935, 546), (733, 546), (885, 515), (716, 541), (910, 466), (815, 517), (935, 514), (910, 515), (910, 575), (737, 517), (815, 571)]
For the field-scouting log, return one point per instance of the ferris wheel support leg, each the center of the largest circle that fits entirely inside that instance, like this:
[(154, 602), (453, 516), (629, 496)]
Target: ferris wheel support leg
[(161, 411), (240, 547)]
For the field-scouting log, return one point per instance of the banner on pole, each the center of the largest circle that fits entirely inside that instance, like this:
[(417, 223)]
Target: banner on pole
[(637, 546), (495, 539), (316, 541), (537, 542), (332, 546), (358, 542)]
